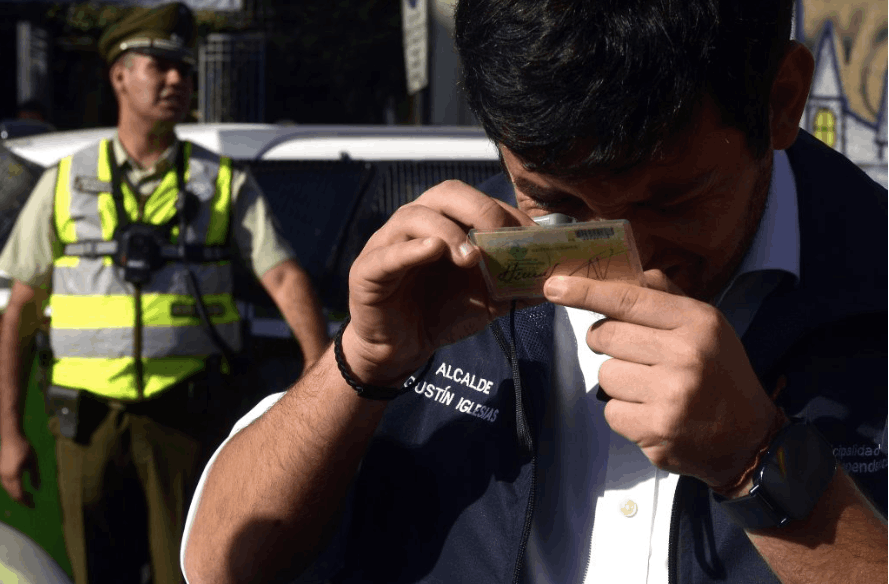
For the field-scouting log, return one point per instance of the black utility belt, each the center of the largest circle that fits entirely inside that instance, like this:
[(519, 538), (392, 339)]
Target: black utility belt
[(79, 409)]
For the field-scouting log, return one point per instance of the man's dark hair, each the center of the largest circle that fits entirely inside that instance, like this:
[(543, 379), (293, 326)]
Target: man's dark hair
[(620, 76)]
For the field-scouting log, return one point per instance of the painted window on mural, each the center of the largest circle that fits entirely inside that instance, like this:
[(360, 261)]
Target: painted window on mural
[(825, 126)]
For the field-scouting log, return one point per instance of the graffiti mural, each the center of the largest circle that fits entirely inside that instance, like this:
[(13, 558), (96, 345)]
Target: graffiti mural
[(848, 100)]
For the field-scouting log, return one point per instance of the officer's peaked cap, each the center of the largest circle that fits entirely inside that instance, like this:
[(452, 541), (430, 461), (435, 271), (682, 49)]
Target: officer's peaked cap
[(167, 31)]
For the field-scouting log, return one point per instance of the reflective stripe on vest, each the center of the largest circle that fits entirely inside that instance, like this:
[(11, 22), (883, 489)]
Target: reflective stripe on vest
[(93, 307)]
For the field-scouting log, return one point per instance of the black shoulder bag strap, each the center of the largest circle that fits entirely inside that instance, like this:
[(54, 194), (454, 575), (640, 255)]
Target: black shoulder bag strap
[(123, 219), (227, 352)]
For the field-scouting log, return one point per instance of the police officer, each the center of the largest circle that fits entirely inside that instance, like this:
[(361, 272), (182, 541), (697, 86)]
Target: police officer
[(132, 237)]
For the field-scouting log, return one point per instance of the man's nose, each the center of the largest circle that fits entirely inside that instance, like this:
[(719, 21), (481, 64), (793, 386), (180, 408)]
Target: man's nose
[(178, 75)]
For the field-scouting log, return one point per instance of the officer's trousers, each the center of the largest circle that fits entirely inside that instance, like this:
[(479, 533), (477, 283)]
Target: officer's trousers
[(124, 492)]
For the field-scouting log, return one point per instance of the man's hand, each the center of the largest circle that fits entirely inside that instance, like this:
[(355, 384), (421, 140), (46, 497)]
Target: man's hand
[(21, 319), (268, 504), (681, 385), (416, 285), (16, 457)]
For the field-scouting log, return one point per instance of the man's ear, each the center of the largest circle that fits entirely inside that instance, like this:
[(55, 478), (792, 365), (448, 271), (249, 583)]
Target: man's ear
[(789, 94), (115, 75)]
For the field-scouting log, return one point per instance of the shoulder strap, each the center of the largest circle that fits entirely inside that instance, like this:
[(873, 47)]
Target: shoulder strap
[(181, 251), (123, 219)]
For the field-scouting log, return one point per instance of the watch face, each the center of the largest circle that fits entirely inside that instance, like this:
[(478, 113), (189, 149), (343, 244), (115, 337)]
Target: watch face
[(797, 470)]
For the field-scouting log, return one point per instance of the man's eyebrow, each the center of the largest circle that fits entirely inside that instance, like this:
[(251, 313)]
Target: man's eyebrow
[(678, 188), (540, 192)]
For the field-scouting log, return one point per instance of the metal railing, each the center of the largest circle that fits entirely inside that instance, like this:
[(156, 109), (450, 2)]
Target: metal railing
[(231, 78)]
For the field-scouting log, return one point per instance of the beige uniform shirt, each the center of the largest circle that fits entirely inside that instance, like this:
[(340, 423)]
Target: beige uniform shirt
[(33, 244)]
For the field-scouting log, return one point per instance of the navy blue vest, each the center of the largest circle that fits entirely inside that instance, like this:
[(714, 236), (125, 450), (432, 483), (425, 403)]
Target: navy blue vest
[(446, 491)]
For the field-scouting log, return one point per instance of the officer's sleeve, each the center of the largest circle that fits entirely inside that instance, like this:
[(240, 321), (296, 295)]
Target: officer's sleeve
[(32, 244), (254, 228)]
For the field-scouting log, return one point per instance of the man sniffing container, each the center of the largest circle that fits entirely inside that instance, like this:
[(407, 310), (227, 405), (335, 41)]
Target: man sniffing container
[(686, 430)]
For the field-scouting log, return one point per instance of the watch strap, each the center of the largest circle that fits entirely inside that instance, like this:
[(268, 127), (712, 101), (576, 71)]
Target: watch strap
[(760, 509), (753, 511)]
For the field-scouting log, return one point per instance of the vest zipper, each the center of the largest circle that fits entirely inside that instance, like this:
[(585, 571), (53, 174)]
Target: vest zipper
[(524, 433), (526, 530)]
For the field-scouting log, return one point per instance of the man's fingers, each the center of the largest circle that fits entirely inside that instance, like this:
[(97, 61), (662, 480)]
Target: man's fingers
[(13, 488), (415, 222), (471, 207), (628, 342), (447, 211), (383, 265), (617, 300), (657, 280), (625, 381), (641, 424)]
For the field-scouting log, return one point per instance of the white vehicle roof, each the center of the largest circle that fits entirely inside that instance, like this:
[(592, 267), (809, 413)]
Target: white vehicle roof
[(381, 143), (290, 142)]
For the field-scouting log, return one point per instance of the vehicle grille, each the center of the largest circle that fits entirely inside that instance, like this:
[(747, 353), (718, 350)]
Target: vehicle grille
[(329, 209)]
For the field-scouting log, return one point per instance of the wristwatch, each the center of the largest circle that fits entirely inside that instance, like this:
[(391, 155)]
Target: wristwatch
[(792, 476)]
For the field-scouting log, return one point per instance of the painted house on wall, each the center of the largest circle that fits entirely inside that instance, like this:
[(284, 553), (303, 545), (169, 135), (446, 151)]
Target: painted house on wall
[(829, 118)]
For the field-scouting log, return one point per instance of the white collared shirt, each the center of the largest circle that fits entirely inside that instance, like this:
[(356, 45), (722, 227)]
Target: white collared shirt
[(604, 510)]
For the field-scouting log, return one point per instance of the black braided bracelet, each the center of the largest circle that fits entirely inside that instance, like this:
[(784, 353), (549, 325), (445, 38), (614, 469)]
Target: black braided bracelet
[(367, 391)]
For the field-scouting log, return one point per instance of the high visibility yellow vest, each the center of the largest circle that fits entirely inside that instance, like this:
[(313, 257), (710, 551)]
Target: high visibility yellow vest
[(92, 330)]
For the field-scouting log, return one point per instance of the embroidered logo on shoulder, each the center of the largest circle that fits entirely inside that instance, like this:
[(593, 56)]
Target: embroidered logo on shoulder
[(90, 184)]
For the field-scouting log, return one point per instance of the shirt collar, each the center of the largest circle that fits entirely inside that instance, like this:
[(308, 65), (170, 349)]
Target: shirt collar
[(775, 245), (162, 165)]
